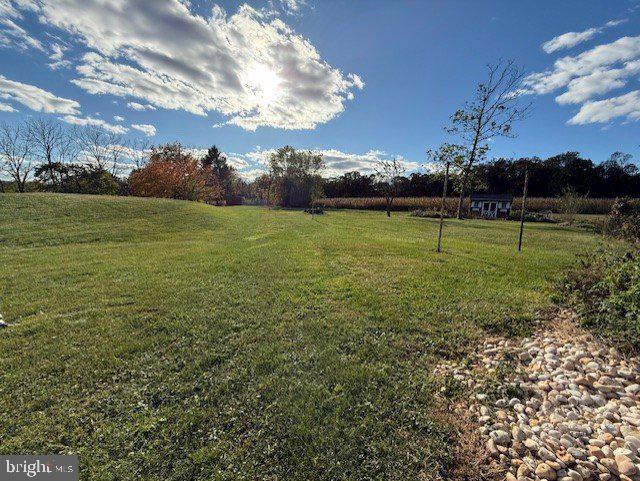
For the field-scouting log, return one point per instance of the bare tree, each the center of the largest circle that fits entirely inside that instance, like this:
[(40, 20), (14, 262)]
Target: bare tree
[(139, 152), (94, 145), (491, 113), (388, 173), (15, 153), (117, 151), (52, 144)]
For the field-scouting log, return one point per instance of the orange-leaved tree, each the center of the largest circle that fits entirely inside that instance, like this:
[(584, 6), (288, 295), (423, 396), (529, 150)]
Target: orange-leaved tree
[(172, 172)]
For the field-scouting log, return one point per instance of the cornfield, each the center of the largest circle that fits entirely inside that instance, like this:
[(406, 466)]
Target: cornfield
[(534, 204), (380, 203)]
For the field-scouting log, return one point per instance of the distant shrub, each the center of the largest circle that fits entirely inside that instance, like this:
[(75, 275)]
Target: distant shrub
[(77, 179), (603, 288), (533, 216), (569, 205), (428, 213), (624, 220), (315, 210)]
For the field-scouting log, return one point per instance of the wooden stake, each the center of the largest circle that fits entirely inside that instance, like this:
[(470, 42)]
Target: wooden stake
[(524, 206), (444, 197)]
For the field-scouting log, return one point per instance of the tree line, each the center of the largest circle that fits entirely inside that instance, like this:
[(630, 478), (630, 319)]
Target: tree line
[(46, 155), (551, 177)]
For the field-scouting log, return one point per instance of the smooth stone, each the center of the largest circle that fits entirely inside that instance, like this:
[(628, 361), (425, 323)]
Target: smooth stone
[(545, 471), (625, 465)]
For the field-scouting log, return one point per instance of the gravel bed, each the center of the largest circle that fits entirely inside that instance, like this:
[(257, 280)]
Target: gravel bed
[(577, 416)]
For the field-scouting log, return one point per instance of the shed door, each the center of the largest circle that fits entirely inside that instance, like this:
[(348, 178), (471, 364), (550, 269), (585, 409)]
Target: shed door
[(489, 209)]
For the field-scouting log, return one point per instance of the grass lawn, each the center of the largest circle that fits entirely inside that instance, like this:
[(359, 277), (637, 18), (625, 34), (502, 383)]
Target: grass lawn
[(172, 340)]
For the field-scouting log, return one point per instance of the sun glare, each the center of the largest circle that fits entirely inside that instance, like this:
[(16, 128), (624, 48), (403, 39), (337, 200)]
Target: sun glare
[(265, 83)]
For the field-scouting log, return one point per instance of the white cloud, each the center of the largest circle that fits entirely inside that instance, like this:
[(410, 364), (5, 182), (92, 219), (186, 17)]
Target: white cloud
[(602, 111), (117, 118), (250, 66), (589, 75), (569, 39), (236, 161), (11, 34), (338, 162), (567, 68), (615, 23), (600, 81), (6, 108), (251, 174), (36, 98), (137, 106), (146, 129), (292, 7), (57, 57), (93, 122)]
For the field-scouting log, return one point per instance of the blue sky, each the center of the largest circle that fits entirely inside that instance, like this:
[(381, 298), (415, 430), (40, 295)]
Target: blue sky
[(354, 79)]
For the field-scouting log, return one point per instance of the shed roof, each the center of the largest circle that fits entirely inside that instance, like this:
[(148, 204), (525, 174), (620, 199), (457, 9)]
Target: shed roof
[(492, 197)]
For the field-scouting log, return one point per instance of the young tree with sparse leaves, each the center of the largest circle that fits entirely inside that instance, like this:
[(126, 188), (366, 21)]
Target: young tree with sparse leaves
[(388, 174), (453, 155), (491, 113)]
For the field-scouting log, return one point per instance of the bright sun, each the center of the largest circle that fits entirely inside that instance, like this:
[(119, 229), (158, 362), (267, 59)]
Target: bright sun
[(265, 83)]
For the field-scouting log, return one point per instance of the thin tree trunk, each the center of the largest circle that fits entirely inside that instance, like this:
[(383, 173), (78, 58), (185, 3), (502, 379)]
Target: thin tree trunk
[(524, 206), (462, 189), (389, 201), (269, 194), (442, 206), (2, 186), (54, 180), (472, 159)]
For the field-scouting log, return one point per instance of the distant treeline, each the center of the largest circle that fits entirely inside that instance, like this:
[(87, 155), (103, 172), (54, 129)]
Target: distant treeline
[(615, 177)]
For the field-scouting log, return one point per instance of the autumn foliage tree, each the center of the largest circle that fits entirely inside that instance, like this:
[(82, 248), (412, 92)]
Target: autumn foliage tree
[(174, 173)]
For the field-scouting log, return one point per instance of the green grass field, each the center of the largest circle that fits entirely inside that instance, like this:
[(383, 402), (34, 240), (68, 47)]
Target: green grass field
[(172, 340)]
